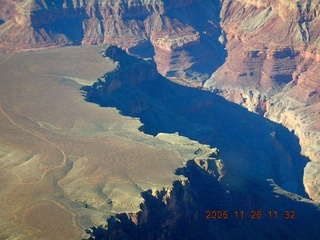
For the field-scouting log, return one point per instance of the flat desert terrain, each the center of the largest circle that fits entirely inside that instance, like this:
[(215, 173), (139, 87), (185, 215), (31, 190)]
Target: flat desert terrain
[(67, 164)]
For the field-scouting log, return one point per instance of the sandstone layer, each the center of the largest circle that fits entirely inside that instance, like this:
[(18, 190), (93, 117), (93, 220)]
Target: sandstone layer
[(181, 35), (272, 46), (273, 49), (67, 164), (273, 68)]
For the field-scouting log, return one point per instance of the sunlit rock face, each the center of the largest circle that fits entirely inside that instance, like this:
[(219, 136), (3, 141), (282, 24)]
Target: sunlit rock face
[(273, 67), (255, 157), (181, 35), (263, 55), (182, 211)]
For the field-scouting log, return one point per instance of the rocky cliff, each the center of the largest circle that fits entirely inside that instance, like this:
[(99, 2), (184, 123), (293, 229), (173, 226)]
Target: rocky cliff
[(137, 90), (272, 49), (201, 208), (273, 67), (181, 35), (258, 167)]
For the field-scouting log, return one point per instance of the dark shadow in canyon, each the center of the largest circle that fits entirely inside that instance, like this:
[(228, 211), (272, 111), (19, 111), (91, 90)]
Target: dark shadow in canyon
[(252, 147), (254, 150), (205, 56), (210, 53), (202, 209), (70, 28), (143, 49)]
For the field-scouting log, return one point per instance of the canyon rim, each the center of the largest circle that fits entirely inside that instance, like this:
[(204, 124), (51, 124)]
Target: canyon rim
[(262, 55)]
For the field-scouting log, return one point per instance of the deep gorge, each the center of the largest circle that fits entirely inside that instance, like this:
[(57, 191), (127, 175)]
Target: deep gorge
[(269, 157)]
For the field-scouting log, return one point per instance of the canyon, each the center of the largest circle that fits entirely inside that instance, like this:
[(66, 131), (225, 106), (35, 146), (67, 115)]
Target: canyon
[(67, 165), (255, 160), (273, 68), (262, 55)]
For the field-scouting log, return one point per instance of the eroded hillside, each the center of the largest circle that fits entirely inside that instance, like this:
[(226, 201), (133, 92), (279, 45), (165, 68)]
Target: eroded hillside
[(258, 167), (272, 49), (67, 164), (263, 55), (181, 35), (273, 68)]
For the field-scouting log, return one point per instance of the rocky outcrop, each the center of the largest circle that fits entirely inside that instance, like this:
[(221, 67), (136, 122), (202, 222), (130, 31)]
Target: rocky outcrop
[(165, 213), (181, 35), (273, 67), (240, 181), (136, 89), (273, 48), (200, 207), (131, 73)]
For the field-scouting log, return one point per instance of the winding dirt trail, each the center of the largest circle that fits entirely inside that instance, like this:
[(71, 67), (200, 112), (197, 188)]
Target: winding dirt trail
[(42, 138), (46, 200)]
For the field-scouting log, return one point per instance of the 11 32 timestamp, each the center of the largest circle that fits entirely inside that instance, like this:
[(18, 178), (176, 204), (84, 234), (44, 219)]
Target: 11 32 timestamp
[(253, 214)]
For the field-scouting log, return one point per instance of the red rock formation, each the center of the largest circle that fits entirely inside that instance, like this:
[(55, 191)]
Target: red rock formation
[(273, 67), (178, 33), (273, 47)]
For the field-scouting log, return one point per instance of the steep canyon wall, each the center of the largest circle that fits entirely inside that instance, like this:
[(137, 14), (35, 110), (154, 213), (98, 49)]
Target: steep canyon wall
[(273, 68), (270, 63), (181, 35)]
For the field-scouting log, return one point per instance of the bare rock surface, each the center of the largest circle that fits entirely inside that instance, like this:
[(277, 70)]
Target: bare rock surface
[(80, 164), (258, 164), (273, 67), (272, 47), (177, 33), (66, 164)]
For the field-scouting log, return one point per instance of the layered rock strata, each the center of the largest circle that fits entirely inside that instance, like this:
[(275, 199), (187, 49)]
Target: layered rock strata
[(273, 68), (181, 35), (138, 90), (273, 49), (257, 156)]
